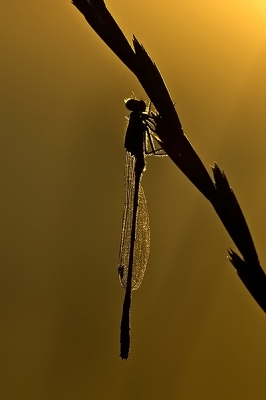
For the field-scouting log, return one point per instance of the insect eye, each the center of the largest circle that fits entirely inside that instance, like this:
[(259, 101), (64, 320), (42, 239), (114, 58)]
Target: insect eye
[(135, 105)]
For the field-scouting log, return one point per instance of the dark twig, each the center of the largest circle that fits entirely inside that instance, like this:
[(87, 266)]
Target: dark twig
[(177, 146)]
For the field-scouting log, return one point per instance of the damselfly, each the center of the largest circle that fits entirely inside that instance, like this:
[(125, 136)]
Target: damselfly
[(135, 238)]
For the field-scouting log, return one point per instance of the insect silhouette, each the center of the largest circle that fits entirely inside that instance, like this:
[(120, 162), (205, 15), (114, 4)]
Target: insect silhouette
[(135, 238)]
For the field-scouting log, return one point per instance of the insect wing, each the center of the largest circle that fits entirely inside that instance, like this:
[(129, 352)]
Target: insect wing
[(142, 233), (142, 241)]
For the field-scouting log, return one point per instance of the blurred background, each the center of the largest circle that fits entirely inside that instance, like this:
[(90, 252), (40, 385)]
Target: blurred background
[(196, 331)]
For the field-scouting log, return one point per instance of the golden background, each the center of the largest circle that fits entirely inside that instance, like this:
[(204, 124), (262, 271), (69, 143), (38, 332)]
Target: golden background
[(196, 331)]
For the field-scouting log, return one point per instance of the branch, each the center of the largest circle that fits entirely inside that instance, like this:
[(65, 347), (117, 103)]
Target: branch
[(177, 146)]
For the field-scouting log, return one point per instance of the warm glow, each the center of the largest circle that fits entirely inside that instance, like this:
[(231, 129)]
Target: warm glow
[(196, 331)]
